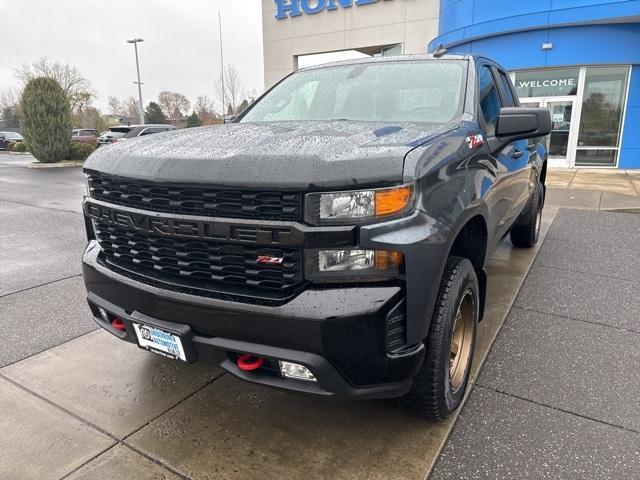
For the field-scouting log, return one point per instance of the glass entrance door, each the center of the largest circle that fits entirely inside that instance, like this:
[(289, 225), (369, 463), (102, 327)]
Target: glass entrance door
[(562, 129), (558, 143)]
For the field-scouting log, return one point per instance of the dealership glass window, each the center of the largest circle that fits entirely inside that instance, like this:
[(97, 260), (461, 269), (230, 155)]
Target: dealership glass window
[(605, 91), (550, 82)]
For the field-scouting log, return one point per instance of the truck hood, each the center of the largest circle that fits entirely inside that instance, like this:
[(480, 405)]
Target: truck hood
[(292, 155)]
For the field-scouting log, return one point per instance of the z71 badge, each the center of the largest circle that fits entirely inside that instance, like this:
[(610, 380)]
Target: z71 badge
[(474, 141)]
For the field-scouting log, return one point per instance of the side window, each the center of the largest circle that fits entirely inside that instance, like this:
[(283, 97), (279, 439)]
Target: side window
[(489, 99), (509, 101), (149, 131)]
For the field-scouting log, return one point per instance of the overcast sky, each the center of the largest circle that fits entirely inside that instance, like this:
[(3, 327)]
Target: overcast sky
[(181, 51)]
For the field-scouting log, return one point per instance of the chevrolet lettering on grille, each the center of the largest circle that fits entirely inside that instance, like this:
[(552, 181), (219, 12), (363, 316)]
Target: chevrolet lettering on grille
[(187, 228)]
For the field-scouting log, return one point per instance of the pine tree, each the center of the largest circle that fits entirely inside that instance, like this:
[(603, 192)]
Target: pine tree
[(154, 114), (193, 120), (45, 117)]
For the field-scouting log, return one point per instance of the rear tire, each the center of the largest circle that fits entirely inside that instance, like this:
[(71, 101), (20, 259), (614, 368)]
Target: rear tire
[(440, 385), (526, 232)]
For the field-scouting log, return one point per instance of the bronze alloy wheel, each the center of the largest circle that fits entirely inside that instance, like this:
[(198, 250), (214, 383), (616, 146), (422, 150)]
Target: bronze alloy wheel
[(462, 339)]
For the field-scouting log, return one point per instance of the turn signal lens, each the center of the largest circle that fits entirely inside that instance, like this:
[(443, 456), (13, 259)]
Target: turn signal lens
[(387, 259), (392, 200)]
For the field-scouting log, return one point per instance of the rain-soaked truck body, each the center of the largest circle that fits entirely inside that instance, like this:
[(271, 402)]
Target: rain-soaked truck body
[(331, 240)]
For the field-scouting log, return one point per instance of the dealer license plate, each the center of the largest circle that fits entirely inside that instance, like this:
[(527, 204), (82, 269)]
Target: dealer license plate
[(160, 341)]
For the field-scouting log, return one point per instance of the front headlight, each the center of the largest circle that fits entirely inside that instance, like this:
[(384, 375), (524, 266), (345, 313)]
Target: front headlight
[(354, 264), (358, 206)]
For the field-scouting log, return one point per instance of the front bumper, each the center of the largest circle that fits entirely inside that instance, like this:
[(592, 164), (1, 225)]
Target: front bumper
[(338, 333)]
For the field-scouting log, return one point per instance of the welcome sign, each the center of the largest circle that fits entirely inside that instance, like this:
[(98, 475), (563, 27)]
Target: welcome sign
[(547, 83), (293, 8)]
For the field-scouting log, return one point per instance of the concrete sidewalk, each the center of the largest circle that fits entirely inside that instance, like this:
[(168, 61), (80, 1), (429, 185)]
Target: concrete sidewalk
[(558, 395), (603, 189)]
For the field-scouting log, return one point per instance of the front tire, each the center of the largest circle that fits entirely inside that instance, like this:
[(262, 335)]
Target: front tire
[(441, 383)]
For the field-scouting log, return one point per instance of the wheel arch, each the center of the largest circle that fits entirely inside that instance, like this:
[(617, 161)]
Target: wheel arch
[(470, 227)]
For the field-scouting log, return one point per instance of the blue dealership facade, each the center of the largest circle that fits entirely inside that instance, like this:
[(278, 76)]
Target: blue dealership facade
[(579, 58)]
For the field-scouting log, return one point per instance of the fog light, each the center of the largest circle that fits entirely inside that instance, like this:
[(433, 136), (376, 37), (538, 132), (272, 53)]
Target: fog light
[(295, 370), (104, 314)]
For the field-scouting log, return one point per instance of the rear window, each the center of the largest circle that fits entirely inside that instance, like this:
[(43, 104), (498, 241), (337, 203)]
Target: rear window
[(428, 91), (122, 130)]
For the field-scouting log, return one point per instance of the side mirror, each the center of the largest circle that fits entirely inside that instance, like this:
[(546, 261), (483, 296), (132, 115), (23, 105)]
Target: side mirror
[(516, 123)]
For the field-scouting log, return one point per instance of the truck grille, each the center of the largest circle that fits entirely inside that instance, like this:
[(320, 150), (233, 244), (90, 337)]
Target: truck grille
[(202, 267), (196, 199)]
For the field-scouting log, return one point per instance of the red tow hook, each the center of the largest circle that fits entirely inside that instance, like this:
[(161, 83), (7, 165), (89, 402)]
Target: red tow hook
[(118, 324), (248, 363)]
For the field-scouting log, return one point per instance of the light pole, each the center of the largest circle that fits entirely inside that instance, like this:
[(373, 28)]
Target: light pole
[(224, 107), (140, 108)]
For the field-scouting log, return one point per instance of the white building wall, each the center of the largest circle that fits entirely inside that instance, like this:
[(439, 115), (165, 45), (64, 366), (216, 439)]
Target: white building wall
[(412, 23)]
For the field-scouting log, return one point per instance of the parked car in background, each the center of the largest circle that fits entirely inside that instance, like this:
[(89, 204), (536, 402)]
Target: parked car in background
[(125, 132), (85, 135), (112, 135), (9, 138)]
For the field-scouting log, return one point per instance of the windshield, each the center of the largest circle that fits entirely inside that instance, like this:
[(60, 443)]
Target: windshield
[(11, 135), (412, 91)]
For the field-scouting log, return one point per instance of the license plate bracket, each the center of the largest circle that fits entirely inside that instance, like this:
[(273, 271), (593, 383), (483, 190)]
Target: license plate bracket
[(172, 340)]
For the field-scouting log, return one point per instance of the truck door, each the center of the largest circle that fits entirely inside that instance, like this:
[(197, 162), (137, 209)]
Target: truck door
[(511, 189)]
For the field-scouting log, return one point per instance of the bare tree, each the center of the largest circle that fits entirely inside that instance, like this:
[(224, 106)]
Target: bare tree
[(233, 89), (115, 105), (124, 107), (205, 110), (131, 110), (9, 98), (174, 104), (76, 87), (89, 117)]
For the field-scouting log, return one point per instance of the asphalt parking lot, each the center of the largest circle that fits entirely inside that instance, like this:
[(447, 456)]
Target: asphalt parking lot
[(557, 397)]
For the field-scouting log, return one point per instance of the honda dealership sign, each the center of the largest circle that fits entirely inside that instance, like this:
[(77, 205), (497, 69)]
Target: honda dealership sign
[(293, 8)]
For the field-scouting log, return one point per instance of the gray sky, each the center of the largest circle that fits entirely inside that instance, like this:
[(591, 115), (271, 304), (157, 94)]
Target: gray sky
[(180, 52)]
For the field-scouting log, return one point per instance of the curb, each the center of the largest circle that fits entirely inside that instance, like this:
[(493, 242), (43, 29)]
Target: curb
[(622, 210), (62, 164)]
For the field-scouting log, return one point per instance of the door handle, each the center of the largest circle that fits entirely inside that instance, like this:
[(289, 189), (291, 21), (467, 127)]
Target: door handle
[(531, 147), (517, 153)]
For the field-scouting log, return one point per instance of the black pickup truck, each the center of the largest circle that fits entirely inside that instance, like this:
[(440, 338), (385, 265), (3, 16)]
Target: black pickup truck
[(332, 239)]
